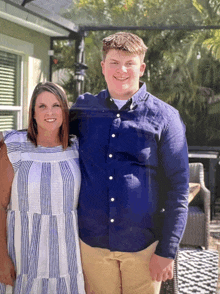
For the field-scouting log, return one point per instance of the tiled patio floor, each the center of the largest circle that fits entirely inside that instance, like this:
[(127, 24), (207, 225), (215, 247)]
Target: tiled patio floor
[(215, 242)]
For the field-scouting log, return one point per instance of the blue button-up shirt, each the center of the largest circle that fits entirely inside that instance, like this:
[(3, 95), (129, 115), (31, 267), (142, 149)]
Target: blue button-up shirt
[(134, 164)]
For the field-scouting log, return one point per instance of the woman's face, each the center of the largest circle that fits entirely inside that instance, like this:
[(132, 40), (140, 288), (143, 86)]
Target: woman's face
[(48, 112)]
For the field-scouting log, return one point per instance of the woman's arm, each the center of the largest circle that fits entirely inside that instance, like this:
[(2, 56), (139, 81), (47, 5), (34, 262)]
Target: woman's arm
[(7, 271)]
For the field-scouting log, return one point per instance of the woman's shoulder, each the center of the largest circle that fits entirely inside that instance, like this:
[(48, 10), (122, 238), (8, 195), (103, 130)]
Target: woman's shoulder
[(15, 136)]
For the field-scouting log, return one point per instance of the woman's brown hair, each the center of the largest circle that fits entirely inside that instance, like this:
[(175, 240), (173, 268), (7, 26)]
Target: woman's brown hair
[(60, 94)]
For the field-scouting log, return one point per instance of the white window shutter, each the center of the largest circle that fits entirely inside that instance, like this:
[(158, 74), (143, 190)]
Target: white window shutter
[(10, 83)]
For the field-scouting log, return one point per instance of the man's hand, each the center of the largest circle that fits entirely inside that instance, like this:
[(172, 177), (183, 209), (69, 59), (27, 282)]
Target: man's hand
[(7, 271), (161, 268)]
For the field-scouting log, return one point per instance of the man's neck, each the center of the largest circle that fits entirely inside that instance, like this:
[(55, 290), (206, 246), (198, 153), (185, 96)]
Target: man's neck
[(123, 96)]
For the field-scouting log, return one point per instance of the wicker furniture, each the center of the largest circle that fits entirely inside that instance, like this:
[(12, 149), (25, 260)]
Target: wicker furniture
[(197, 228)]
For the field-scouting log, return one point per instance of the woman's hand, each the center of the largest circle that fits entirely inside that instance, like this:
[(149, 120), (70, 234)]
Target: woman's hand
[(7, 271)]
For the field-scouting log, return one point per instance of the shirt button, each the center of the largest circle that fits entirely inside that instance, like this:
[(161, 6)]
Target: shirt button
[(112, 220), (118, 115), (113, 135), (112, 199), (110, 155), (111, 178)]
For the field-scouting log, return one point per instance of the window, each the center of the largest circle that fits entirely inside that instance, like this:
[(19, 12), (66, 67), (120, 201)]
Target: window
[(10, 91)]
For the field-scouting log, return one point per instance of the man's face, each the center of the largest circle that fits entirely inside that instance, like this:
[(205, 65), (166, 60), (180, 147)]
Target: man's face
[(122, 71)]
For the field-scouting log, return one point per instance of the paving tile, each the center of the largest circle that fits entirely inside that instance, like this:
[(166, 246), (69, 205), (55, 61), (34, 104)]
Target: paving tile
[(215, 241)]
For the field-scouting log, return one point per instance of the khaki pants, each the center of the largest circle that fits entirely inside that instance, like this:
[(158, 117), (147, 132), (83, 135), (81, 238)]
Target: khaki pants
[(107, 272)]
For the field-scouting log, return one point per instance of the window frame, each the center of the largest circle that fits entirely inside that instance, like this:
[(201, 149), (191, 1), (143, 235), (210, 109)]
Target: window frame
[(18, 109), (26, 51)]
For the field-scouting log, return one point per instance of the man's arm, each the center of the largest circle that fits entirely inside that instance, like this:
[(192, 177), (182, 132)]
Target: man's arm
[(175, 165), (174, 162)]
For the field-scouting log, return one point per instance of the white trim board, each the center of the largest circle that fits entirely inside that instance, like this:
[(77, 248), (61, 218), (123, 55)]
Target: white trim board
[(16, 45)]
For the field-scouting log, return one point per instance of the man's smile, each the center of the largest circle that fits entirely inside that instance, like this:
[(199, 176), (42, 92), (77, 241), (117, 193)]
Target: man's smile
[(121, 79)]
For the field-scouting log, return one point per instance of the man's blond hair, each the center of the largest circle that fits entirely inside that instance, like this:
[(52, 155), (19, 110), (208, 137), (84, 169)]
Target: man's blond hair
[(124, 41)]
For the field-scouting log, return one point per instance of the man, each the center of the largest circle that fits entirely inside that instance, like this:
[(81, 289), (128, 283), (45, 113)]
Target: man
[(134, 163)]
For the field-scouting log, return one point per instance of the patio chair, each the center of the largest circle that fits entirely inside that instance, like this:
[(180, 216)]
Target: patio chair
[(198, 223)]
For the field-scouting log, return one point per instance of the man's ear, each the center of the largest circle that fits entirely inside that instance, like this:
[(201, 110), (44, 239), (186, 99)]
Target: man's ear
[(103, 67), (142, 69)]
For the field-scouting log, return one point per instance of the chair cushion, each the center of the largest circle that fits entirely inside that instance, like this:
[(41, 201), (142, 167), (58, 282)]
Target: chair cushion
[(195, 209)]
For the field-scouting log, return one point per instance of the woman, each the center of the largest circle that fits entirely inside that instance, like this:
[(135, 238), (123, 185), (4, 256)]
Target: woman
[(39, 186)]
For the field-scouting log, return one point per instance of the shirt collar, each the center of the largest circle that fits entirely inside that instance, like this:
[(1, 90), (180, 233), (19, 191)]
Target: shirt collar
[(140, 95)]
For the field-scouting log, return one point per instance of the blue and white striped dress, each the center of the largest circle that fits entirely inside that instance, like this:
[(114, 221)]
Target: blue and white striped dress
[(42, 218)]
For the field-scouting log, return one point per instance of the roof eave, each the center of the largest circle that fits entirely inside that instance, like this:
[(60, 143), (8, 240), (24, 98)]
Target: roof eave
[(54, 24)]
